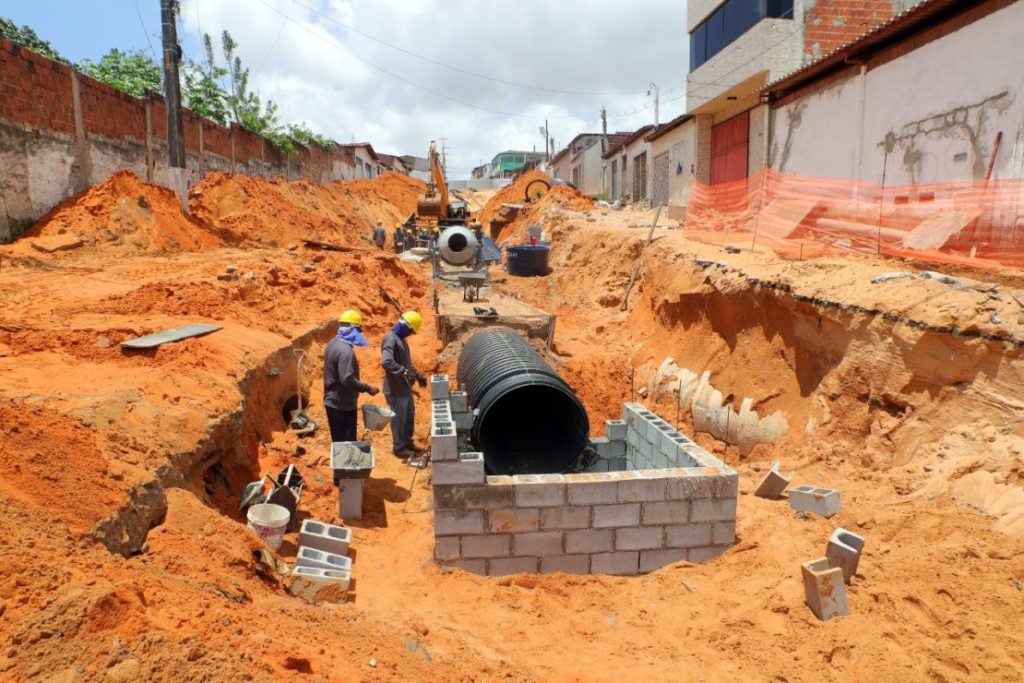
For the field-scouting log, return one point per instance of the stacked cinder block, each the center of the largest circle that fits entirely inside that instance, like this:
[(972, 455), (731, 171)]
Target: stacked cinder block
[(610, 448), (652, 443), (322, 560)]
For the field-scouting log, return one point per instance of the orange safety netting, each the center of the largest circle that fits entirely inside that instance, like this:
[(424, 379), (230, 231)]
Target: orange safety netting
[(976, 223)]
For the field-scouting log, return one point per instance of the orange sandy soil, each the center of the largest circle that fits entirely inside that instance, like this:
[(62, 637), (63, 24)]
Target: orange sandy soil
[(918, 427)]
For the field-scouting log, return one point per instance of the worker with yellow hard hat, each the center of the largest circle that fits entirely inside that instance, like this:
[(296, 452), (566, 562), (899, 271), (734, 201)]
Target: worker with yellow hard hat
[(399, 374), (342, 385), (398, 238)]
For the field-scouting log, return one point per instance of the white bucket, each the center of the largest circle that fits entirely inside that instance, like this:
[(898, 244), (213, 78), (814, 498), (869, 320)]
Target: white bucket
[(376, 417), (269, 521)]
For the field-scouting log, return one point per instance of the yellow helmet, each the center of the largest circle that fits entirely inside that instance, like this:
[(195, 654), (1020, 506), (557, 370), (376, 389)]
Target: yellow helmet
[(414, 320), (352, 317)]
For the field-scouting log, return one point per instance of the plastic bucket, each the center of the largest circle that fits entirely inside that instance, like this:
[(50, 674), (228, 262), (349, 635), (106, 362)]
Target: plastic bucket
[(376, 417), (269, 522)]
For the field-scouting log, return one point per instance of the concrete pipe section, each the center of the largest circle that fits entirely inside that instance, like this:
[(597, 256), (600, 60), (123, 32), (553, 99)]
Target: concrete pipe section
[(529, 421), (458, 246)]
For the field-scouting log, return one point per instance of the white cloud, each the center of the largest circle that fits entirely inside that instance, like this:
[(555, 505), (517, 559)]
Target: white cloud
[(331, 77)]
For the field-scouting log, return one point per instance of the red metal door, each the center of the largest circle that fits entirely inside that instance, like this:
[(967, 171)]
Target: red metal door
[(729, 149)]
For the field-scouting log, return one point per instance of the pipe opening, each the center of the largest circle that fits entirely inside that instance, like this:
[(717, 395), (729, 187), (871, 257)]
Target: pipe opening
[(457, 242)]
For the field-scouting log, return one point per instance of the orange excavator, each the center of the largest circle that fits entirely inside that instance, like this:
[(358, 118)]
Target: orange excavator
[(435, 208)]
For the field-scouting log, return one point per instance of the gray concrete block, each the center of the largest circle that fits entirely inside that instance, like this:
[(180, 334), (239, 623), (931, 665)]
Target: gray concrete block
[(820, 501), (471, 566), (569, 517), (307, 582), (633, 437), (586, 541), (311, 557), (444, 443), (468, 469), (615, 430), (463, 421), (459, 402), (329, 538), (642, 489), (727, 485), (824, 590), (712, 509), (458, 522), (535, 490), (350, 498), (640, 538), (653, 559), (644, 450), (608, 449), (567, 564), (623, 563), (439, 387), (843, 551), (592, 491), (774, 483), (723, 533), (539, 544), (491, 545), (624, 514), (652, 433), (513, 520), (666, 512), (446, 548), (691, 535), (689, 484), (512, 565), (698, 555), (483, 497)]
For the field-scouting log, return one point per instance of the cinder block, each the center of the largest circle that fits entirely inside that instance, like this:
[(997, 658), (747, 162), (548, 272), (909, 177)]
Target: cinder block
[(608, 449), (774, 483), (615, 430), (350, 498), (633, 437), (446, 548), (492, 545), (458, 522), (688, 535), (820, 501), (485, 497), (514, 520), (535, 490), (439, 388), (653, 559), (567, 564), (617, 464), (688, 483), (570, 517), (539, 544), (666, 512), (723, 533), (459, 402), (843, 551), (463, 421), (311, 557), (642, 489), (512, 565), (645, 450), (327, 537), (586, 541), (727, 485), (308, 582), (468, 469), (698, 555), (640, 538), (444, 443), (471, 566), (624, 514), (596, 490), (625, 563), (712, 509), (824, 590)]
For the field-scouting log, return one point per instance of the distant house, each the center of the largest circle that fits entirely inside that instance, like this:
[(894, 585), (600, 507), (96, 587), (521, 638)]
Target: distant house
[(391, 162), (585, 160), (510, 162), (480, 172), (418, 167), (626, 167), (560, 166), (673, 150), (367, 163)]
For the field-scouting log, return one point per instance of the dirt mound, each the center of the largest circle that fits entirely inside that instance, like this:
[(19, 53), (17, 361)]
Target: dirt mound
[(510, 194), (249, 210), (126, 214), (560, 196)]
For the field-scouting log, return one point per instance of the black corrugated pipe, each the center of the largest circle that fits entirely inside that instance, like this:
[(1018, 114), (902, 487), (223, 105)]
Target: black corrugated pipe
[(529, 421)]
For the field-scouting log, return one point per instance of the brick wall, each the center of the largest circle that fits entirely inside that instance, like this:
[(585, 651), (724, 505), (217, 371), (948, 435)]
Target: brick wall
[(830, 24), (652, 497)]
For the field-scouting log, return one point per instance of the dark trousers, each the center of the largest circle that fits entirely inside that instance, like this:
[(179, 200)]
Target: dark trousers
[(403, 421), (342, 424)]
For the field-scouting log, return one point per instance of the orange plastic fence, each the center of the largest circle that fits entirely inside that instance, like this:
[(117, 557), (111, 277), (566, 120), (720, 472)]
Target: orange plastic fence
[(977, 223)]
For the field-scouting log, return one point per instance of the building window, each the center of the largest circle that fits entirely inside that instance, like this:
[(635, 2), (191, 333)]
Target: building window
[(731, 20)]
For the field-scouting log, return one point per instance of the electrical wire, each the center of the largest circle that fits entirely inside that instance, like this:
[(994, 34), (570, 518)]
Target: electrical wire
[(145, 33)]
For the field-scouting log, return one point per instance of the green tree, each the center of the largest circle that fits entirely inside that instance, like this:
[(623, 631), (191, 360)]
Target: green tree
[(305, 135), (26, 37), (246, 107), (130, 72), (203, 92)]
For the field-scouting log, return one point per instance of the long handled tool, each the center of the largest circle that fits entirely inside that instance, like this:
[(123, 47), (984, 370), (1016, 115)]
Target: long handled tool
[(419, 464), (300, 420)]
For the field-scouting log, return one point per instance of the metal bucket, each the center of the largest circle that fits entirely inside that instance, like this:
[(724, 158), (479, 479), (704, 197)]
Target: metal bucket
[(376, 417)]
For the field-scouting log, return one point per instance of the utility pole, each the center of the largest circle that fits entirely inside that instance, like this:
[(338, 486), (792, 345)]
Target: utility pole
[(654, 91), (547, 142), (604, 130), (444, 156), (172, 93)]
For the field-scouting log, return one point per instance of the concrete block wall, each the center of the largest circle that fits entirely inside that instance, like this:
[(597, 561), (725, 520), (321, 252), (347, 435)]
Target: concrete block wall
[(609, 522)]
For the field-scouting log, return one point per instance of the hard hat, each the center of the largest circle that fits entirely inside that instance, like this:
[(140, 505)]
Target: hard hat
[(352, 317), (414, 320)]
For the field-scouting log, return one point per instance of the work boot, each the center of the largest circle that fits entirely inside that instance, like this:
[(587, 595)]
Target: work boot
[(404, 453), (418, 448)]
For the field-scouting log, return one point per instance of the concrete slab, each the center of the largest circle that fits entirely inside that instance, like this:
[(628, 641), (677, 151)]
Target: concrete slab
[(774, 483)]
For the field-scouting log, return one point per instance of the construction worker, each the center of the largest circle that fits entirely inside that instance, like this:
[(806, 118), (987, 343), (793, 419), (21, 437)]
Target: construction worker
[(478, 233), (399, 374), (435, 236), (399, 239), (342, 385), (379, 236)]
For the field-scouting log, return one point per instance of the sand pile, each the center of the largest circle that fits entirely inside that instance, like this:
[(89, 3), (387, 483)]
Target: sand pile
[(125, 213), (510, 194), (560, 197)]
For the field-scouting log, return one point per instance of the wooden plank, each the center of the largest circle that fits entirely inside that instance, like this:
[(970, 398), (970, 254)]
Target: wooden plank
[(151, 341), (936, 230)]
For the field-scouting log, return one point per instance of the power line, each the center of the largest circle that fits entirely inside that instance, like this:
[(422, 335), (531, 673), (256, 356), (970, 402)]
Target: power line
[(145, 33)]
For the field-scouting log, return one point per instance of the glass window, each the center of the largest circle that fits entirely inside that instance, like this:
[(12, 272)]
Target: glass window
[(730, 21), (716, 32), (698, 46), (780, 9), (739, 18)]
